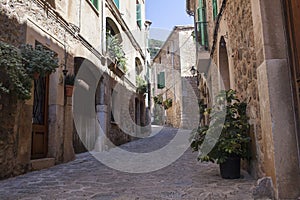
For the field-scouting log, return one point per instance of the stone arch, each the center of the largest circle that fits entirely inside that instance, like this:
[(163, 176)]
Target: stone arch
[(224, 65), (84, 139)]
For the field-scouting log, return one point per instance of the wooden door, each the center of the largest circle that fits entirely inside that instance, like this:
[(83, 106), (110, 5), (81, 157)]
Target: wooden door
[(40, 118)]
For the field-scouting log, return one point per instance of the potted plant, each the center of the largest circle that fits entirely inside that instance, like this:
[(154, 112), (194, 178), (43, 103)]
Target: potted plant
[(69, 83), (141, 85), (115, 51), (38, 61), (232, 144)]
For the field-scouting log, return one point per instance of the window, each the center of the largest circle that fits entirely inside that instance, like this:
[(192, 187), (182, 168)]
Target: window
[(215, 9), (161, 80), (117, 3), (95, 3), (202, 37), (139, 15)]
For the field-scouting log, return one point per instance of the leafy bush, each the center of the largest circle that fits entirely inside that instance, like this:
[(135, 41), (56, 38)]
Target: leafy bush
[(38, 59), (17, 67), (14, 79)]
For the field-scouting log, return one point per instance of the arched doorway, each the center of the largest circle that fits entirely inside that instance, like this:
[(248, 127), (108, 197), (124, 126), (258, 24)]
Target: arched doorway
[(223, 65), (84, 131)]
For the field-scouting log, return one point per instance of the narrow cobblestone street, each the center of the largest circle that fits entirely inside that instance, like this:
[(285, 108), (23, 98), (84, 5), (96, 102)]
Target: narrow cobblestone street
[(87, 178)]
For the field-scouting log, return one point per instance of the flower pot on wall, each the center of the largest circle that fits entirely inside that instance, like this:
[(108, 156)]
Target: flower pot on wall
[(69, 90), (231, 168)]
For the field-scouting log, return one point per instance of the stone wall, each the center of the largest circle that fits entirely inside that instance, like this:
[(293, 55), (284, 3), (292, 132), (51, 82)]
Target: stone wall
[(236, 27), (15, 29), (259, 71), (122, 108), (15, 134), (190, 97), (175, 59)]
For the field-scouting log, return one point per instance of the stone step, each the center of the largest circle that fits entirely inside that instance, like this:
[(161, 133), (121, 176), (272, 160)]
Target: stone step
[(43, 163)]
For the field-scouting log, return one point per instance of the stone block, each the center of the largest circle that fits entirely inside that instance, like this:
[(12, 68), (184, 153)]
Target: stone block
[(264, 189), (43, 163)]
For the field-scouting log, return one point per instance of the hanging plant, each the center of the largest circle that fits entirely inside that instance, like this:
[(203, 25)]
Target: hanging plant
[(158, 99), (167, 103)]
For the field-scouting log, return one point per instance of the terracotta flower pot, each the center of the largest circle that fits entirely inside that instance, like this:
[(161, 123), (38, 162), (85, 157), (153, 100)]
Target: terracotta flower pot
[(69, 90)]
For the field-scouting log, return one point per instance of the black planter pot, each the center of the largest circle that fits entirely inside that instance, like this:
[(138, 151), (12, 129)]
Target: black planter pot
[(231, 168)]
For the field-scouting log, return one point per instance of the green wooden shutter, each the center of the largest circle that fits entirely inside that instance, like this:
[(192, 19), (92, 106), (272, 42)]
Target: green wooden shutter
[(95, 3), (117, 3), (202, 24), (161, 83), (215, 9), (139, 15)]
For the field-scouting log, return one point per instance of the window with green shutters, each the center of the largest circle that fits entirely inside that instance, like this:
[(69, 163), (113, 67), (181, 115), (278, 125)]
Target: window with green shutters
[(95, 3), (215, 9), (161, 83), (201, 22), (139, 15), (117, 3)]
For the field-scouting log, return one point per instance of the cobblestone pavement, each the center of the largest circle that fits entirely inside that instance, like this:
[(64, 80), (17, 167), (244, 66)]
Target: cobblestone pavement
[(87, 178)]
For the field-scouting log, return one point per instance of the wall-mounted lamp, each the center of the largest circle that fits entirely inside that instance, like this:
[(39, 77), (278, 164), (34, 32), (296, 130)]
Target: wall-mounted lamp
[(195, 72)]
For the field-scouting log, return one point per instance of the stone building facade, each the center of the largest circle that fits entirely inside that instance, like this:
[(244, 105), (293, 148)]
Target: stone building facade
[(253, 49), (174, 60), (76, 31)]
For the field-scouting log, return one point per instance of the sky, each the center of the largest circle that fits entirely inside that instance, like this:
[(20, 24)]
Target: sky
[(165, 14)]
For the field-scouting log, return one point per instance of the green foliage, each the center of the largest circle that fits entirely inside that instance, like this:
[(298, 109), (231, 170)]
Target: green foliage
[(70, 79), (167, 103), (38, 59), (234, 139), (141, 85), (158, 99), (17, 67), (14, 79), (115, 51)]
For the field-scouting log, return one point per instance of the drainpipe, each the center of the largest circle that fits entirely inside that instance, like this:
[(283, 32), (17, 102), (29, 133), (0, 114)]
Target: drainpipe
[(148, 109), (103, 28), (79, 14)]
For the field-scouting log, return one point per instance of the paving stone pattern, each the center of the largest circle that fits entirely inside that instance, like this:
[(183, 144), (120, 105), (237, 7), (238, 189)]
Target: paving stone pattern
[(87, 178)]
